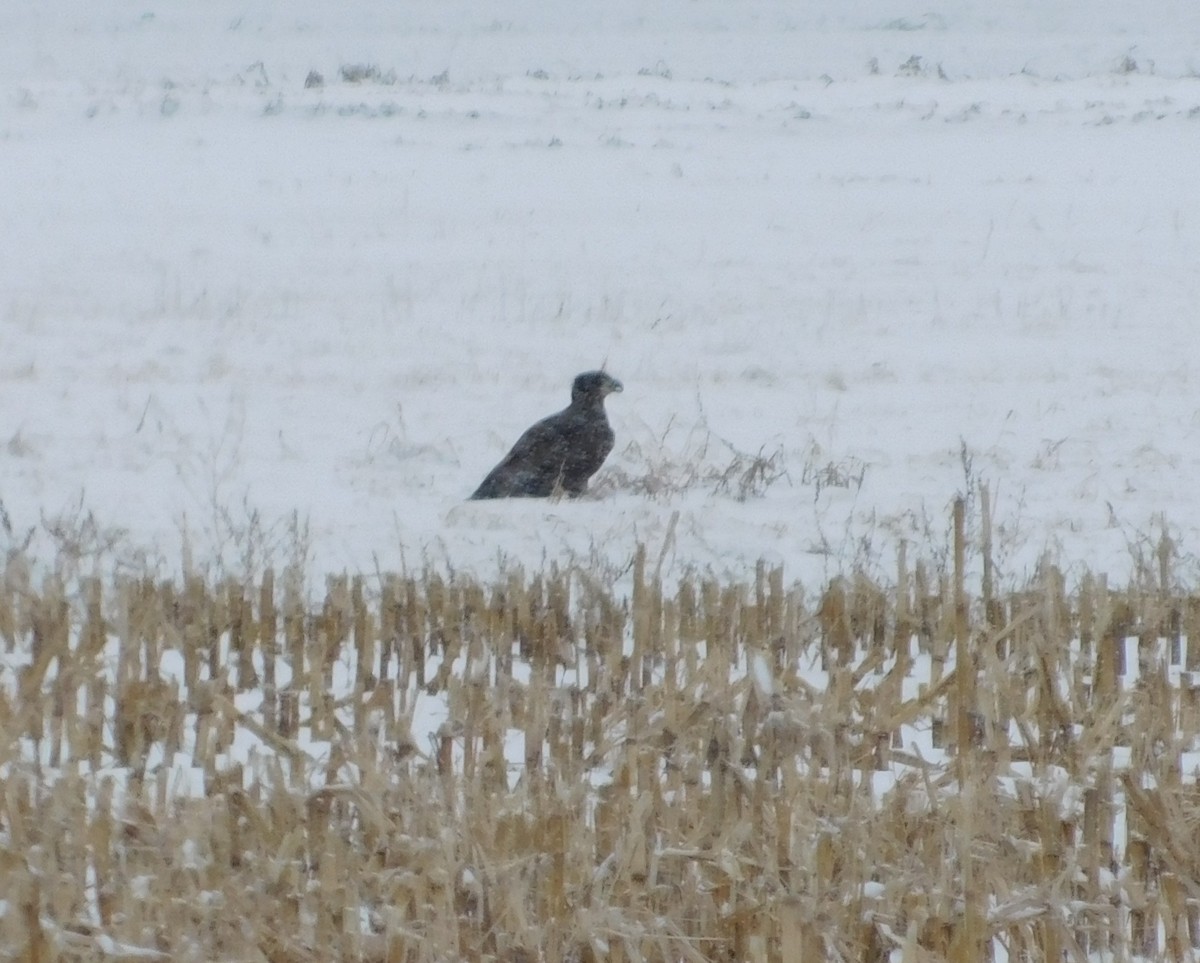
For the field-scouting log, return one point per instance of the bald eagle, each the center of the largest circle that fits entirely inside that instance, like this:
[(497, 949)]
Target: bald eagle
[(563, 450)]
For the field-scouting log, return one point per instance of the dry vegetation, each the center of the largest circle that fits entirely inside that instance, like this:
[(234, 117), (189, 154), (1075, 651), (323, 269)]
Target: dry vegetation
[(709, 771), (701, 461)]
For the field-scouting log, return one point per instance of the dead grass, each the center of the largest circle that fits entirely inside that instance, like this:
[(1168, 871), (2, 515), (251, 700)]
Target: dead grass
[(229, 769), (679, 461)]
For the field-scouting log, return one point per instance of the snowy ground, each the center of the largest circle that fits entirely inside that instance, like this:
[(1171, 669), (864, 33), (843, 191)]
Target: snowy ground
[(900, 250)]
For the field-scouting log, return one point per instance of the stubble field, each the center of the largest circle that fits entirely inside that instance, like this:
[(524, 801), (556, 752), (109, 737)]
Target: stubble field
[(876, 637)]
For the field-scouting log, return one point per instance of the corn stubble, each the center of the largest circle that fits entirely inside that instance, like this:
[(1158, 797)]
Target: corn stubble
[(685, 791)]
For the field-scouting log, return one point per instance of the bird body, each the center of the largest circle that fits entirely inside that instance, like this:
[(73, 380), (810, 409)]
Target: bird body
[(562, 451)]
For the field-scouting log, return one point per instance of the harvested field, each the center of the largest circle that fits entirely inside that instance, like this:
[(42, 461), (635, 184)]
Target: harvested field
[(421, 767)]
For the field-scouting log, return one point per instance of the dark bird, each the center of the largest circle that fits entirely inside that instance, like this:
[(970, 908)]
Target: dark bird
[(561, 451)]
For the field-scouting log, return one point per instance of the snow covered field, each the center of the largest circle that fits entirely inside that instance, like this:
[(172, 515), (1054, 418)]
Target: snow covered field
[(896, 250), (290, 279)]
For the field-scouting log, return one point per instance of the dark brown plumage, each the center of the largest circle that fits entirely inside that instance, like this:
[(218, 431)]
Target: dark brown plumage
[(563, 450)]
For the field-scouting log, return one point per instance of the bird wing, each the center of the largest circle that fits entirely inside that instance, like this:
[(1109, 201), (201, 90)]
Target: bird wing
[(531, 465)]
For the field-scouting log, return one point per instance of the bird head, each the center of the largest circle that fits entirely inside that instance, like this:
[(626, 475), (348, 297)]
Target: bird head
[(594, 385)]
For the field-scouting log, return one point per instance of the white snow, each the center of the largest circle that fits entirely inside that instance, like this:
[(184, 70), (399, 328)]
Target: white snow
[(905, 251)]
